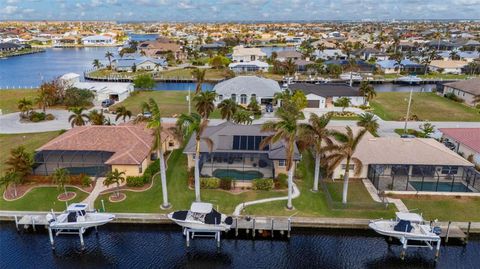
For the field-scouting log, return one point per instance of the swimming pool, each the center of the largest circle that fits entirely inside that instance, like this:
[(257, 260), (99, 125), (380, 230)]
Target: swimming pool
[(442, 186), (237, 175)]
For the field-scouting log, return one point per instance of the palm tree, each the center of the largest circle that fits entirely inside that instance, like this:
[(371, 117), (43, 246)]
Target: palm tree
[(189, 124), (289, 67), (352, 66), (78, 118), (313, 134), (61, 176), (199, 75), (437, 35), (109, 56), (154, 122), (43, 99), (398, 57), (426, 60), (228, 108), (11, 178), (343, 102), (285, 129), (96, 63), (20, 161), (204, 103), (122, 112), (369, 122), (97, 118), (24, 105), (367, 91), (454, 55), (243, 116), (344, 150), (114, 177)]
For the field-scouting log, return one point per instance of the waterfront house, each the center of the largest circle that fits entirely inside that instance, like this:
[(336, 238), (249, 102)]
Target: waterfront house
[(97, 149), (241, 54), (323, 95), (242, 89), (141, 63), (218, 45), (97, 40), (447, 66), (236, 153), (245, 67), (368, 53), (161, 47), (330, 54), (467, 90), (406, 65), (411, 164), (465, 140), (286, 55)]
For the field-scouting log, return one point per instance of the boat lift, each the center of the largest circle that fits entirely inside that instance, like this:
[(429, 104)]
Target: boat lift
[(428, 243), (201, 233)]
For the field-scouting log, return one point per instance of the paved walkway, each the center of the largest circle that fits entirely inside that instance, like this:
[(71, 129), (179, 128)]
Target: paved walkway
[(99, 187), (240, 207), (401, 207)]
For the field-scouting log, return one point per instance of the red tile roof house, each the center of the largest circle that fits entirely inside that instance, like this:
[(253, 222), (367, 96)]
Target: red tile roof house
[(95, 150), (466, 141)]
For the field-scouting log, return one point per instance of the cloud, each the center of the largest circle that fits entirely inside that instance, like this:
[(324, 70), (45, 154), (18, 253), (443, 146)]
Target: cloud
[(9, 10)]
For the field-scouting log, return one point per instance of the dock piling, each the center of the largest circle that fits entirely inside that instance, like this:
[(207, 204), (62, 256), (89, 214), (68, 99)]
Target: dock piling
[(16, 223), (468, 232), (33, 225), (82, 244), (50, 235), (236, 226), (448, 232), (253, 228), (289, 227), (272, 228)]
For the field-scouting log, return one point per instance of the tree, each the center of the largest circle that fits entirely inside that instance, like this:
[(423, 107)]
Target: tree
[(114, 177), (342, 102), (313, 134), (145, 82), (109, 56), (199, 75), (78, 118), (352, 66), (228, 108), (25, 106), (369, 122), (290, 66), (367, 91), (299, 99), (243, 116), (96, 63), (122, 112), (344, 150), (134, 67), (334, 70), (20, 161), (97, 118), (285, 129), (427, 129), (48, 94), (454, 55), (194, 124), (154, 122), (204, 103), (398, 57), (78, 97), (254, 106), (11, 178), (60, 177), (219, 62)]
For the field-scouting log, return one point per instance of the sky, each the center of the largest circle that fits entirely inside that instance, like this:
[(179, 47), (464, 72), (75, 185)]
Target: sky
[(237, 10)]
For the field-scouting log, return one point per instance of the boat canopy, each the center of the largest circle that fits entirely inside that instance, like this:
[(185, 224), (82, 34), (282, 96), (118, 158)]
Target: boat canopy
[(413, 217), (202, 208), (77, 207)]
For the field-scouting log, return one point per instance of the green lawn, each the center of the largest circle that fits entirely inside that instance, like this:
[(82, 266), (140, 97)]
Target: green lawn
[(315, 204), (409, 131), (180, 196), (427, 106), (41, 199), (446, 208), (9, 98), (355, 118), (186, 73), (31, 142), (106, 72)]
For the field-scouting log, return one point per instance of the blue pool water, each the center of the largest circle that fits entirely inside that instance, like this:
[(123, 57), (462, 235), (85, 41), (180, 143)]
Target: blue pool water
[(236, 174), (442, 186)]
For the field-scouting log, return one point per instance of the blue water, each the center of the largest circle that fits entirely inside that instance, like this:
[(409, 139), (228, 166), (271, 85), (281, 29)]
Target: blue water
[(156, 246), (442, 186), (179, 86), (236, 174), (143, 37)]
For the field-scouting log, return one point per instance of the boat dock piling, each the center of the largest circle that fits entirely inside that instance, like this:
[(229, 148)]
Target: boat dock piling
[(262, 224), (454, 232)]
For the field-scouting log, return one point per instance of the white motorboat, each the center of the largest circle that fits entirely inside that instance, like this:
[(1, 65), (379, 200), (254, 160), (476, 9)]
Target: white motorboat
[(409, 226), (409, 79), (202, 216), (76, 217), (351, 75)]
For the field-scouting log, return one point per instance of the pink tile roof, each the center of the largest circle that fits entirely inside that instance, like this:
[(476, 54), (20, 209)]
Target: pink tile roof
[(469, 137)]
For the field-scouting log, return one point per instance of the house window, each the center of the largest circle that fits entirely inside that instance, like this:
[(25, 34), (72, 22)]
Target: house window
[(220, 97), (344, 166), (140, 169), (234, 97), (449, 170), (243, 99), (282, 163)]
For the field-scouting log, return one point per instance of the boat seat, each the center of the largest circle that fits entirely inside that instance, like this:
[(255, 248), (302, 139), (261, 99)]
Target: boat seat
[(213, 217), (180, 215), (403, 226), (72, 217), (229, 220)]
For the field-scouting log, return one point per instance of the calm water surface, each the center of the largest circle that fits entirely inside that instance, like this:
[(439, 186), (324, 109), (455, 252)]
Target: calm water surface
[(155, 246)]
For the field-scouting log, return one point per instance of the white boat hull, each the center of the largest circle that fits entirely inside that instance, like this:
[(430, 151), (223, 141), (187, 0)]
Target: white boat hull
[(386, 228), (197, 225), (100, 220)]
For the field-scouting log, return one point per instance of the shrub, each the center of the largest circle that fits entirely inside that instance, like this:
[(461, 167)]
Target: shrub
[(86, 181), (364, 107), (263, 184), (281, 182), (299, 173), (49, 117), (453, 97), (75, 97), (136, 181), (37, 116), (191, 176), (226, 183), (209, 183), (145, 82), (151, 170)]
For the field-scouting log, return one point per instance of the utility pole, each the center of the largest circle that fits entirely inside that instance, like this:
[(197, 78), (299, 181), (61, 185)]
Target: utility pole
[(408, 111)]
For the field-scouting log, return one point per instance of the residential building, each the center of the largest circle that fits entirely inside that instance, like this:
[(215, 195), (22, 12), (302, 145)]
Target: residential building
[(252, 66), (142, 63), (286, 55), (97, 40), (448, 66), (161, 47), (242, 54), (466, 141), (117, 91), (468, 90), (323, 95), (242, 89), (391, 66)]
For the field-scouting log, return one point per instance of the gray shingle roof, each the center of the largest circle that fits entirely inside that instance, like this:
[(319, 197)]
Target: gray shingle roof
[(248, 85), (471, 86)]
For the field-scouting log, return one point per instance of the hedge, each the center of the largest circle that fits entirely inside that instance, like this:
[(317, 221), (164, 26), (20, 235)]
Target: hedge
[(209, 183), (263, 184), (281, 182), (226, 184)]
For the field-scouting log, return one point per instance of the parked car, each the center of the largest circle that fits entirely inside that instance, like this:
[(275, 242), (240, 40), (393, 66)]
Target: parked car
[(449, 145), (107, 102), (407, 136), (268, 108)]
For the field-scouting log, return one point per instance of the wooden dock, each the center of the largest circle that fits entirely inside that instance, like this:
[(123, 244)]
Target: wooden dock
[(261, 224), (451, 231)]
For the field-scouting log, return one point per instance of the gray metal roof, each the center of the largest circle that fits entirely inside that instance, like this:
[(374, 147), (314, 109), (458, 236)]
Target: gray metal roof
[(248, 85)]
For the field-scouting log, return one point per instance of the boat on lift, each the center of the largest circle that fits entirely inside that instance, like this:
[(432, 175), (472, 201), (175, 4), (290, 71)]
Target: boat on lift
[(406, 225), (356, 77), (76, 217), (410, 79), (202, 216)]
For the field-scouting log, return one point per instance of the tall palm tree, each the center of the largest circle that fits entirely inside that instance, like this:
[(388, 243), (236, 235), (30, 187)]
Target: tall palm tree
[(11, 178), (96, 118), (313, 134), (199, 75), (96, 63), (78, 118), (228, 108), (398, 57), (437, 35), (43, 99), (367, 91), (61, 176), (114, 177), (154, 122), (109, 56), (369, 122), (24, 105), (344, 150), (285, 129), (194, 124), (454, 55), (352, 66), (289, 67), (122, 112), (243, 116), (204, 103)]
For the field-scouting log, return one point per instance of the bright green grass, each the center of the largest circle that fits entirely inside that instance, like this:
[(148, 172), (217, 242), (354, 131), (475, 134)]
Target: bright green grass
[(9, 99), (427, 106), (446, 208), (41, 199)]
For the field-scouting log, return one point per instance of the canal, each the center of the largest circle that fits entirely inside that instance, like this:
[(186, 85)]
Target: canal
[(157, 246)]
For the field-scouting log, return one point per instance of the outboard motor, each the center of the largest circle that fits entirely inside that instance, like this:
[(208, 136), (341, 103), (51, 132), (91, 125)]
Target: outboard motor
[(437, 230), (50, 218)]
